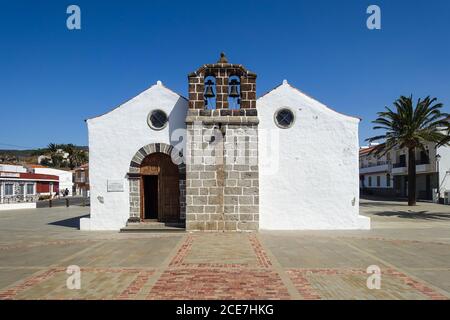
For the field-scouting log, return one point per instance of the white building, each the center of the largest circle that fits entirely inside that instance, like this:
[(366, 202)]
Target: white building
[(65, 176), (81, 179), (387, 175), (12, 168), (305, 175), (60, 152), (43, 158), (21, 189)]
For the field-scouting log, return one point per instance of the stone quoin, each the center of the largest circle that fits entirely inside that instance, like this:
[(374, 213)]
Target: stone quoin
[(224, 160)]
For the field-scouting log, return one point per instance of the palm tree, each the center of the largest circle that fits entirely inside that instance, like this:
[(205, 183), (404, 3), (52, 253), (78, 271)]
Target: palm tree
[(70, 149), (53, 151), (52, 147), (76, 156), (411, 127)]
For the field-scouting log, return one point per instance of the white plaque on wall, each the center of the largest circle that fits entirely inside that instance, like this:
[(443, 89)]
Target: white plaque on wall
[(115, 185)]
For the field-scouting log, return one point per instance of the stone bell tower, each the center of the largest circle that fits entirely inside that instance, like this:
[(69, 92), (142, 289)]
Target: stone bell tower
[(222, 176)]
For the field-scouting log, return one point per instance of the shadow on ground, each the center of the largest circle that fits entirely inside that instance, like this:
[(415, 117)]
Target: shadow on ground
[(69, 223), (423, 215), (382, 204)]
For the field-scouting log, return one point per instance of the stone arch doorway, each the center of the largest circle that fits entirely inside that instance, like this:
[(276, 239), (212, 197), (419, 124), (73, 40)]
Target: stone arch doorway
[(157, 178), (160, 190)]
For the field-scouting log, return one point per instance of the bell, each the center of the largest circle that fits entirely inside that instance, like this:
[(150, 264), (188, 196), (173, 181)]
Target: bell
[(209, 93), (234, 93)]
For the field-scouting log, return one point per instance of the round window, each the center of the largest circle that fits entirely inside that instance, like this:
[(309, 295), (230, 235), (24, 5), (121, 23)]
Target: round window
[(157, 119), (284, 118)]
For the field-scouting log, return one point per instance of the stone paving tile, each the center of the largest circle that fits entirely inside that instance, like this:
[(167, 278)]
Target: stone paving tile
[(42, 255), (411, 254), (9, 276), (96, 283), (220, 248), (218, 283), (35, 244), (316, 284), (439, 277), (294, 251), (127, 253)]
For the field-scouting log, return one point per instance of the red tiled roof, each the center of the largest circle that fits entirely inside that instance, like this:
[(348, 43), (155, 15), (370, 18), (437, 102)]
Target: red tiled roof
[(364, 151), (28, 176), (36, 166)]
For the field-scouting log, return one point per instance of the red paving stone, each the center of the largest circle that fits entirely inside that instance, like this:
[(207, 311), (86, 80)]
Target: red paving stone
[(416, 285), (11, 292), (133, 289), (218, 283), (263, 259), (304, 287), (136, 286), (182, 252)]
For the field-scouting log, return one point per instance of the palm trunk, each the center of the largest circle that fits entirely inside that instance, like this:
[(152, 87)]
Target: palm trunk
[(411, 176)]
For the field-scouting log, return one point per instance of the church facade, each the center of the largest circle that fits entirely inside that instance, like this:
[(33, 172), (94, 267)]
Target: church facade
[(223, 160)]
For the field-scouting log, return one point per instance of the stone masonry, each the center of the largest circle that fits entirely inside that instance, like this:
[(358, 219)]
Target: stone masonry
[(222, 177), (134, 177)]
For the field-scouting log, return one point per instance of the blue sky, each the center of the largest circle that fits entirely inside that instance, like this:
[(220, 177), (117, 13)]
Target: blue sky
[(51, 78)]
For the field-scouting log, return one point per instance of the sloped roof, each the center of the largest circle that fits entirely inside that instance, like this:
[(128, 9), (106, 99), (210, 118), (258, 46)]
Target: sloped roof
[(286, 83), (158, 83), (364, 151)]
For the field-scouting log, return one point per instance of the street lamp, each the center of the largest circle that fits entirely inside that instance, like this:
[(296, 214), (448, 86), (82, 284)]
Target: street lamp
[(438, 158)]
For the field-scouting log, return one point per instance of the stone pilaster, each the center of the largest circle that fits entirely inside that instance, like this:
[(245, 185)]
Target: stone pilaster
[(135, 201), (222, 175)]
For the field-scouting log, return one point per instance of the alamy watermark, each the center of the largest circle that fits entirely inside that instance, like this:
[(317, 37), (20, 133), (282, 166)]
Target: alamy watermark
[(374, 280), (374, 20), (73, 21), (73, 282)]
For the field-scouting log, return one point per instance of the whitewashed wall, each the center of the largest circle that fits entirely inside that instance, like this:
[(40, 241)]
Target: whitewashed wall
[(444, 169), (309, 175), (114, 138)]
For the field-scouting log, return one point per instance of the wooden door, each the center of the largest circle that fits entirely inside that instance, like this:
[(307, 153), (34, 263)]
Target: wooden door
[(168, 191)]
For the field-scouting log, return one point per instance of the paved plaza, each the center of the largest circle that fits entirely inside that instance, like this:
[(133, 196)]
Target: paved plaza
[(410, 246)]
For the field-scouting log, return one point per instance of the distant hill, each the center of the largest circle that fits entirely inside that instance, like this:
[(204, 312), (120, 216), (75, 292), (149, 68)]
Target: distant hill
[(17, 153), (25, 156)]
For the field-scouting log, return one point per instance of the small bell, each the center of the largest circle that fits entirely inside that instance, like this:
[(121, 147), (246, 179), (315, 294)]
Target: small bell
[(209, 93), (234, 93)]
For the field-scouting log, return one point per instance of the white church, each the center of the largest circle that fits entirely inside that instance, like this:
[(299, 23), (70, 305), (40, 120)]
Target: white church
[(223, 159)]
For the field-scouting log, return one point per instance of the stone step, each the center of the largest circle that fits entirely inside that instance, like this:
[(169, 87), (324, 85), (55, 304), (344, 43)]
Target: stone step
[(154, 227)]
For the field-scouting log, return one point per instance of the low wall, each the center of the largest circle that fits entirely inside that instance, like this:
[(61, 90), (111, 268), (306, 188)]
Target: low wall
[(382, 192), (17, 206)]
